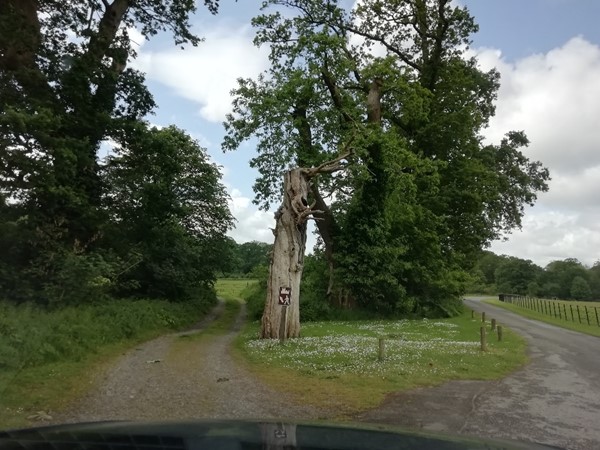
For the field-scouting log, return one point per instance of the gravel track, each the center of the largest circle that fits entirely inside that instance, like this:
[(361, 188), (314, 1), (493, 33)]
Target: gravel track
[(182, 377)]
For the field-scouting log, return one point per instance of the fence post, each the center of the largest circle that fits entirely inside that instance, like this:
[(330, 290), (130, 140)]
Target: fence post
[(472, 314), (587, 316), (565, 311), (545, 306), (597, 321), (559, 313), (578, 313), (381, 353), (483, 316), (499, 333), (572, 317), (493, 324), (554, 308), (482, 337)]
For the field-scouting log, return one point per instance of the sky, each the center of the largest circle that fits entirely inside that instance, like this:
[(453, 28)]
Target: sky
[(548, 55)]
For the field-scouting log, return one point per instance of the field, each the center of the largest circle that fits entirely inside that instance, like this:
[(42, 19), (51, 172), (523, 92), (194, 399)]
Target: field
[(336, 363), (545, 312), (232, 288)]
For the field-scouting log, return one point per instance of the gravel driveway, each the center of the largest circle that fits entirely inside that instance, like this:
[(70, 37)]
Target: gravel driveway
[(179, 376)]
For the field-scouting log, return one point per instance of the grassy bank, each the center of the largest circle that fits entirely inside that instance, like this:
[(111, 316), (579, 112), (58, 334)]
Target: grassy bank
[(45, 354), (593, 329), (335, 364)]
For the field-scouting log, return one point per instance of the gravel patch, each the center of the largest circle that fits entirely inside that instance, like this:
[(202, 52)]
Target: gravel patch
[(175, 377)]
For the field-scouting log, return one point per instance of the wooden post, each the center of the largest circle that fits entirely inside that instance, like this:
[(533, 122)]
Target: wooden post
[(282, 324), (587, 316), (559, 312), (493, 324), (572, 316), (554, 308), (381, 354), (597, 321), (565, 311), (578, 313), (483, 316), (499, 333), (482, 337), (472, 314)]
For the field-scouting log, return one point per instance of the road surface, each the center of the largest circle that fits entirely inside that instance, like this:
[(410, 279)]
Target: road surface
[(554, 400), (181, 376)]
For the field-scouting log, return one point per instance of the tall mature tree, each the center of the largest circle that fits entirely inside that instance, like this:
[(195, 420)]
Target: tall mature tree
[(165, 200), (390, 82), (66, 86)]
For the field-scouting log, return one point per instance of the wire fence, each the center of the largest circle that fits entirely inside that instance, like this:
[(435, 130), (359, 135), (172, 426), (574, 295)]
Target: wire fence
[(569, 311)]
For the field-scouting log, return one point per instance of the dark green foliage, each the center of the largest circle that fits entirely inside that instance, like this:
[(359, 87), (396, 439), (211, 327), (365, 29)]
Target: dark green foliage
[(241, 260), (255, 296), (420, 195), (561, 274), (72, 229), (165, 199), (314, 304), (566, 279), (516, 275), (580, 289)]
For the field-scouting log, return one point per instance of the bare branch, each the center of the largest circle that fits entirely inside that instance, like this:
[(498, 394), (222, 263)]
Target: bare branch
[(331, 166), (388, 46)]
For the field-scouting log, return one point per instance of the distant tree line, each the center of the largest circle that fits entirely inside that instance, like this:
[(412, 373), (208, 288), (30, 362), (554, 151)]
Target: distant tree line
[(565, 279), (248, 259)]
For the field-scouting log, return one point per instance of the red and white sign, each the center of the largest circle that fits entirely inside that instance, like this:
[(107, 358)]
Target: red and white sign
[(285, 296)]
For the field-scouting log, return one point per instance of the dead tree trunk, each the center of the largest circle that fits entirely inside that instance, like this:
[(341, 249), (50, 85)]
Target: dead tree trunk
[(287, 262), (285, 270)]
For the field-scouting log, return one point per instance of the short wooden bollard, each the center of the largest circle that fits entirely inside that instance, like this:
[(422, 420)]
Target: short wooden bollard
[(472, 314), (381, 354), (493, 324), (482, 335), (483, 316), (499, 333)]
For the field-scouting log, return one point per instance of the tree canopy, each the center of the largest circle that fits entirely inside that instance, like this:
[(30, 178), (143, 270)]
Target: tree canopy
[(146, 221), (389, 87)]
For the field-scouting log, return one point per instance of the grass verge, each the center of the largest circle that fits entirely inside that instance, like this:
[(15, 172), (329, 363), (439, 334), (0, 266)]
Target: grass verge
[(593, 330), (334, 365), (45, 355)]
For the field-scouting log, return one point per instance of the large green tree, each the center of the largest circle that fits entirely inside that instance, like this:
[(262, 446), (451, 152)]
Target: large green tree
[(559, 275), (166, 204), (66, 88), (388, 89), (515, 275)]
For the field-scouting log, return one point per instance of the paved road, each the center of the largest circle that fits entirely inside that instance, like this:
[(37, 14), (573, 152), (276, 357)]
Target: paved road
[(554, 400)]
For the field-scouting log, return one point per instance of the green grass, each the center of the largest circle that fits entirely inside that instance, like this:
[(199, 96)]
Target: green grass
[(335, 364), (232, 288), (44, 354), (592, 329)]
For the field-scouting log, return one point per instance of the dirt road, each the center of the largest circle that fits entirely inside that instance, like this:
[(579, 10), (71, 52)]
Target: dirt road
[(183, 376), (554, 400)]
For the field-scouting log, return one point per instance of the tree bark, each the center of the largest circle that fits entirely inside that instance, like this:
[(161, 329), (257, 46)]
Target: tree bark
[(285, 270)]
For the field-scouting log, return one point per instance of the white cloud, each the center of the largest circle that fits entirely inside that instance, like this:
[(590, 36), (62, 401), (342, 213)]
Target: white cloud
[(206, 74), (555, 99), (252, 224)]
